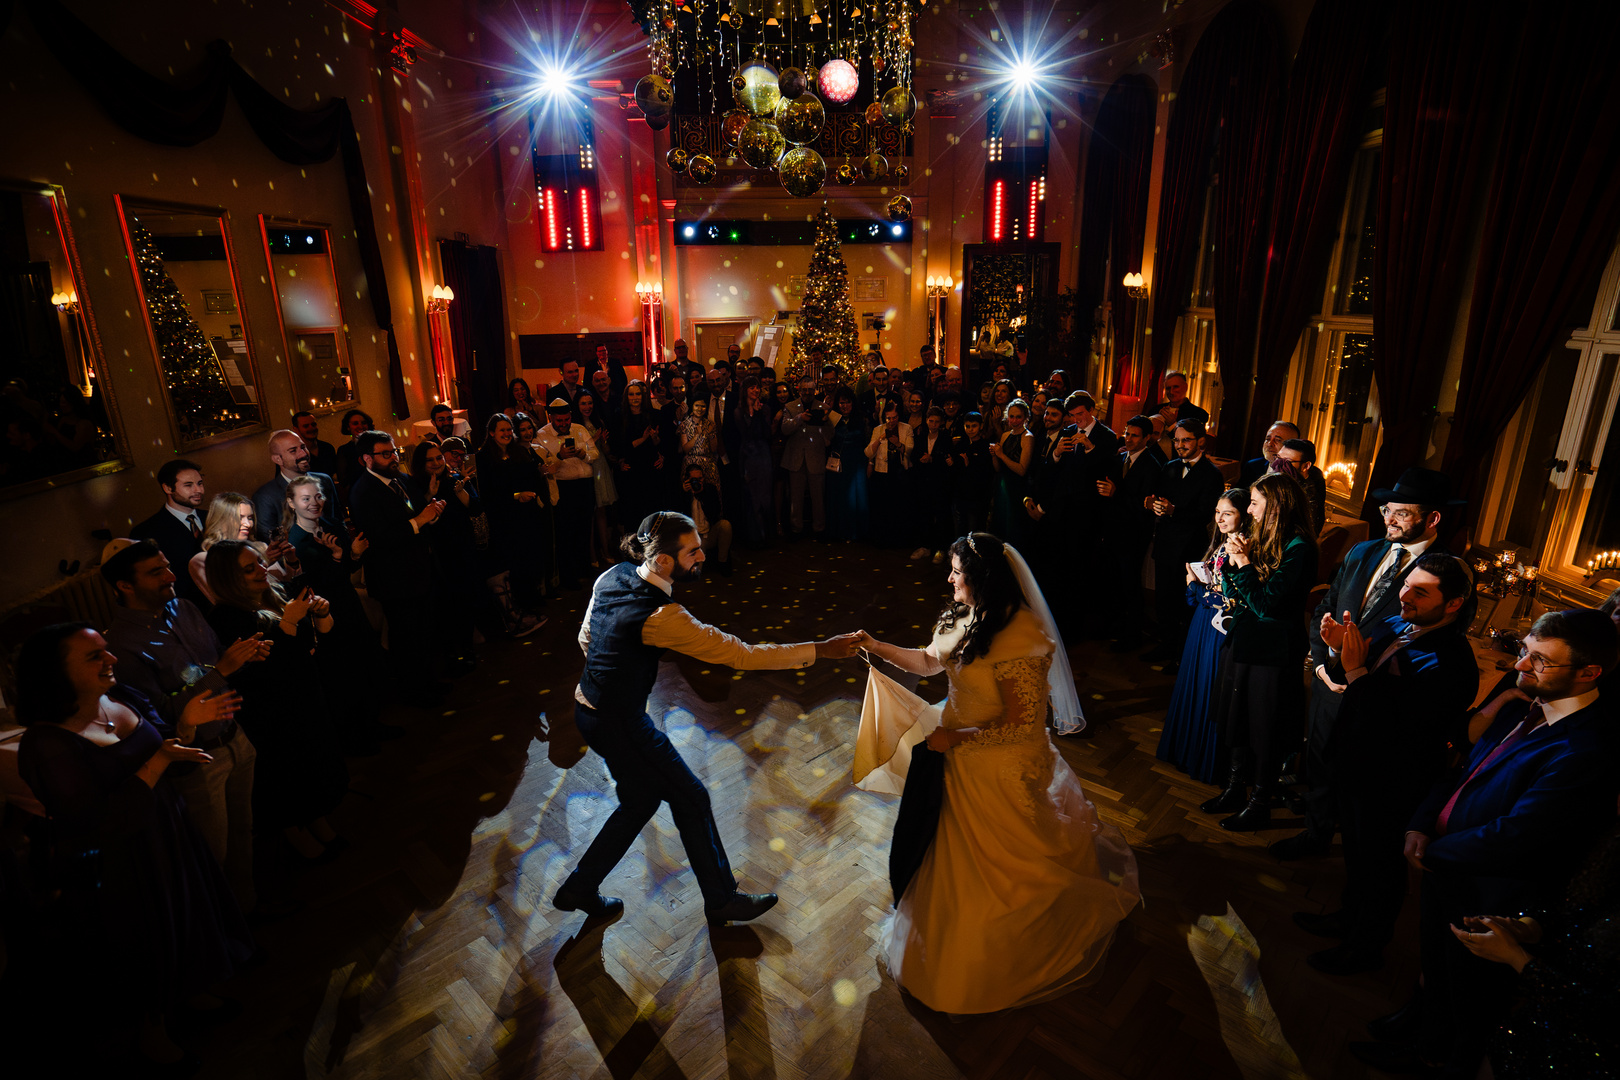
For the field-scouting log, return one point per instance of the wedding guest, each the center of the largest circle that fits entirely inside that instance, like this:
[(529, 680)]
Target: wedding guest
[(714, 531), (568, 389), (290, 458), (1504, 833), (1012, 456), (178, 526), (754, 422), (869, 402), (322, 454), (807, 427), (573, 450), (1191, 740), (915, 415), (518, 399), (725, 396), (608, 395), (349, 466), (847, 510), (232, 517), (638, 445), (1278, 433), (604, 364), (1268, 574), (698, 441), (975, 477), (297, 780), (152, 923), (1300, 455), (167, 652), (1416, 669), (1183, 501), (928, 478), (1002, 393), (889, 451), (514, 492), (1176, 407), (1130, 526), (596, 425)]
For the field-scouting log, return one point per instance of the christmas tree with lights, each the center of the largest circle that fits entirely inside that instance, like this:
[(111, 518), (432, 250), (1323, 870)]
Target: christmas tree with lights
[(203, 405), (826, 321)]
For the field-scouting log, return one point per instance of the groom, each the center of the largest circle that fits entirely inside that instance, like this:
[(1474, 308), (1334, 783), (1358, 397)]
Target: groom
[(630, 621)]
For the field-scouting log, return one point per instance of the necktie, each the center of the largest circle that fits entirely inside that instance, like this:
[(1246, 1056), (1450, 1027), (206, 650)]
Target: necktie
[(1532, 720), (1402, 640), (196, 529), (1127, 462), (399, 489), (1385, 582)]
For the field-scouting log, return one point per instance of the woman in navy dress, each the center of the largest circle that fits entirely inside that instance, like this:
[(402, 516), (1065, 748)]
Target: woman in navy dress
[(1191, 738), (151, 923), (846, 486), (753, 420)]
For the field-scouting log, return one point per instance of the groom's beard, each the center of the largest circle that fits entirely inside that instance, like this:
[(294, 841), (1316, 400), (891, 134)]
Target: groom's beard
[(693, 574)]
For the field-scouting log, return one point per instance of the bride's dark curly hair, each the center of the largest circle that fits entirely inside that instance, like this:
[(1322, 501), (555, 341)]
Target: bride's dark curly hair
[(996, 595)]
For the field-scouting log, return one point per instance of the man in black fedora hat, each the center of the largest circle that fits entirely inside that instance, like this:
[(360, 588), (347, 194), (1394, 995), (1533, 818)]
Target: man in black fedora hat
[(1368, 588)]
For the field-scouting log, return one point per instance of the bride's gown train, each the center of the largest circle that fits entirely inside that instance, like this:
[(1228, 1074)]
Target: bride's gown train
[(1018, 896)]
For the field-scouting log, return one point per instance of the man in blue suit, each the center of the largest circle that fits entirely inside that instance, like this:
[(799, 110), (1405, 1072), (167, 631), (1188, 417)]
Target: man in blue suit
[(1367, 591), (1505, 833)]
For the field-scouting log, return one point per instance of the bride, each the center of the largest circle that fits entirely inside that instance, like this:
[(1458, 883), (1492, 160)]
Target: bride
[(1019, 892)]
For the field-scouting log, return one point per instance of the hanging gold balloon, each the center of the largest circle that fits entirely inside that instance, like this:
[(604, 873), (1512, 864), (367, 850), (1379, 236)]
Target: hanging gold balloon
[(654, 92), (800, 119), (732, 126), (676, 159), (658, 118), (700, 168), (761, 143), (898, 105), (803, 172), (874, 166), (846, 173), (899, 208), (901, 175), (873, 114), (755, 86), (792, 83)]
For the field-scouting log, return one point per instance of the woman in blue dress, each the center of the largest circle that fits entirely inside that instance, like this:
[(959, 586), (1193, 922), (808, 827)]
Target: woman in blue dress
[(846, 483), (1191, 738)]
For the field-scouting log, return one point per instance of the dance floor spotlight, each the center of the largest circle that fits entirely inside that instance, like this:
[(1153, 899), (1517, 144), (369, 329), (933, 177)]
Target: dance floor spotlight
[(554, 82), (1022, 75)]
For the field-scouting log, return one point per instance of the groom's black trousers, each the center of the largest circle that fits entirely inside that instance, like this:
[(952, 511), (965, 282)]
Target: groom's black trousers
[(918, 820), (647, 770)]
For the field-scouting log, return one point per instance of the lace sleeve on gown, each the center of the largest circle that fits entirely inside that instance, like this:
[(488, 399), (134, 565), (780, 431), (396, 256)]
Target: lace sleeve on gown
[(1028, 677)]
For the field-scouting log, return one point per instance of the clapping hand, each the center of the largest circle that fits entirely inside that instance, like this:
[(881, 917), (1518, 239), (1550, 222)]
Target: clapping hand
[(242, 651), (1105, 488), (331, 543), (319, 606), (1237, 549), (358, 546), (207, 707), (296, 609), (177, 752), (1332, 631), (275, 551), (1352, 646)]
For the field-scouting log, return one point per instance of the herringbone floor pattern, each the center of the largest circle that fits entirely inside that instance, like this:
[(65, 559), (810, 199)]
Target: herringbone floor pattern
[(430, 950)]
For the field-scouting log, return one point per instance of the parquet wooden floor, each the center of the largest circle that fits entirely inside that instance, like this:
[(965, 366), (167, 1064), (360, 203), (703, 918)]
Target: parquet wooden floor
[(430, 950)]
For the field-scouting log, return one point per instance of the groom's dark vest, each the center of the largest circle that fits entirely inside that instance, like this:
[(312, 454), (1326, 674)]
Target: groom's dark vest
[(619, 668)]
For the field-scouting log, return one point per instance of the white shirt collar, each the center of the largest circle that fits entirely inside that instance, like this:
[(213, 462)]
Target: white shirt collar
[(1133, 456), (656, 579), (1554, 711), (183, 516), (389, 480), (1090, 427), (1415, 549), (1190, 462)]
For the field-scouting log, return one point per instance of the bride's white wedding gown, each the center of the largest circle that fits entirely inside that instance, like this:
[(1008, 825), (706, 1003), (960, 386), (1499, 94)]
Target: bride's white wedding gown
[(1018, 896)]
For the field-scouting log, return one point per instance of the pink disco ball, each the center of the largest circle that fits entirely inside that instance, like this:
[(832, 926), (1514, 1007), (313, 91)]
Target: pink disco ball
[(838, 81)]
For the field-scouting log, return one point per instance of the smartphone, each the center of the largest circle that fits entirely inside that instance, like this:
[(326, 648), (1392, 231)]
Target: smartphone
[(568, 443), (1070, 432)]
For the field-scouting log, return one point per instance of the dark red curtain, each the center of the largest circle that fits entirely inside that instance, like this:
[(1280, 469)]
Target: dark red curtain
[(1328, 93), (1447, 59), (1228, 95), (1550, 224), (1113, 216), (191, 112)]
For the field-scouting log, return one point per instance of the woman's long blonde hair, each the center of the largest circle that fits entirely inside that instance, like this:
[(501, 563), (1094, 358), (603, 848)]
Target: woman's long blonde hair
[(224, 520), (223, 568), (1287, 515)]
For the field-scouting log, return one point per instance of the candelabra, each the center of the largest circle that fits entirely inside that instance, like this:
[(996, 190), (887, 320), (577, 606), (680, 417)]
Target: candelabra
[(1505, 576), (439, 304), (651, 295), (938, 289)]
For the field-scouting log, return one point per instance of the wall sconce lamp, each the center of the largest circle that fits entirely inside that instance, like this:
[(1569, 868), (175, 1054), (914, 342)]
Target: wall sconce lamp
[(938, 289), (66, 302), (1135, 286), (651, 296), (439, 300)]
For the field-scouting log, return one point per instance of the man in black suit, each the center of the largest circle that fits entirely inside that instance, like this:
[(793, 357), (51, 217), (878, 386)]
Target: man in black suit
[(1368, 588), (615, 371), (1129, 525), (1409, 680), (399, 562), (1183, 501), (724, 397), (322, 455), (569, 389), (290, 457), (1176, 407), (1085, 452), (178, 527), (1502, 835), (1278, 433), (869, 402)]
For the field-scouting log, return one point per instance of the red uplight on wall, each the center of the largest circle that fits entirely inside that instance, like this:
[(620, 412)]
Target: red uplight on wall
[(998, 211), (550, 216), (586, 231), (1034, 220), (569, 202)]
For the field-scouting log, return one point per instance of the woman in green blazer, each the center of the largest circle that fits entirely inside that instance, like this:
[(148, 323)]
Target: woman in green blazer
[(1269, 574)]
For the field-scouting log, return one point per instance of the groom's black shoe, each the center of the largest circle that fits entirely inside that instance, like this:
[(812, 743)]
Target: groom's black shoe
[(740, 908), (593, 903)]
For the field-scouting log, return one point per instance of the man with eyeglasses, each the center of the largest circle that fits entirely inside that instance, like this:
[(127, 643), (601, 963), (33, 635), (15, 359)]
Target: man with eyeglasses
[(1502, 835), (1408, 683), (1368, 587), (1278, 433)]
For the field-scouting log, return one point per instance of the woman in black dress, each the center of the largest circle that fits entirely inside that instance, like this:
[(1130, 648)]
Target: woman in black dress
[(639, 443), (148, 918), (514, 496), (298, 781)]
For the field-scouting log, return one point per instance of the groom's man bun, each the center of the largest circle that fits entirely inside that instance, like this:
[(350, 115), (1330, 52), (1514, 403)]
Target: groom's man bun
[(658, 534)]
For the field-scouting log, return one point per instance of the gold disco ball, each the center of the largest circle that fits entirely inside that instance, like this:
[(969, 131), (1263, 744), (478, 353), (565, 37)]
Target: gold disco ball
[(873, 114), (899, 208), (654, 92), (792, 83), (700, 168), (874, 166), (800, 119), (676, 159), (845, 173), (756, 89), (803, 172), (761, 143), (732, 126), (901, 175), (898, 105)]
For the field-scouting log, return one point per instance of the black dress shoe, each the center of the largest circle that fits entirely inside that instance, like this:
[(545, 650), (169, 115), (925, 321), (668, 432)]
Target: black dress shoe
[(593, 904), (1233, 798), (740, 908), (1252, 818), (1402, 1025), (1329, 924), (1400, 1058), (1306, 845), (1346, 960)]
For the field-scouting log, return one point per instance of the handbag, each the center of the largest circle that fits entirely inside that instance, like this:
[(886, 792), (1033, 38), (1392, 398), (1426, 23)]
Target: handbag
[(835, 463)]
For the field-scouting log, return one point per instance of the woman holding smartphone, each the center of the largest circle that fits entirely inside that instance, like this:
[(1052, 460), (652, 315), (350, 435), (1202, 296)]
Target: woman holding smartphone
[(1191, 739)]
